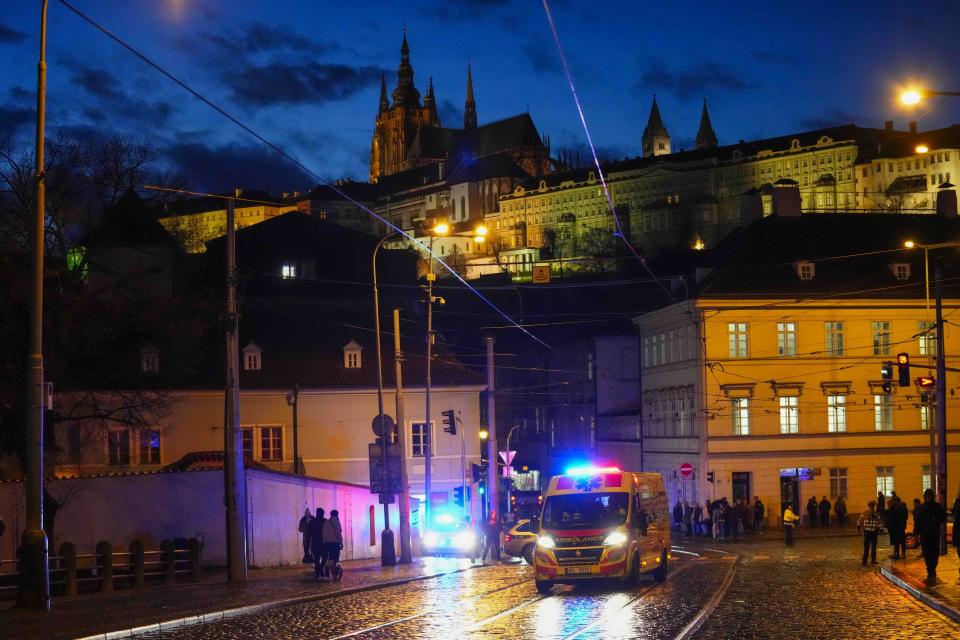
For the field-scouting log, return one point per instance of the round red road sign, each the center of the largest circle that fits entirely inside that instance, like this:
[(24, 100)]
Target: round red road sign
[(686, 469)]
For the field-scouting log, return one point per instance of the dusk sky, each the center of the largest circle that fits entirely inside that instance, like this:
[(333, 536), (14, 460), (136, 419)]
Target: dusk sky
[(306, 74)]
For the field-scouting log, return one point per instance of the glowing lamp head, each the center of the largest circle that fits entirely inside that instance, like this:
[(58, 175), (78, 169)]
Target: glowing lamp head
[(484, 434), (911, 97), (479, 239), (441, 228), (922, 148), (481, 230), (909, 244)]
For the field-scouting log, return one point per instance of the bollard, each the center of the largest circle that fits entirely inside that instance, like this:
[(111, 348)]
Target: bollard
[(105, 562), (69, 554), (169, 562), (136, 563), (194, 546)]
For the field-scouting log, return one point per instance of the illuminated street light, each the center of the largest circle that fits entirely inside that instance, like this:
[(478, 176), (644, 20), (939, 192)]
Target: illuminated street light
[(911, 97), (484, 434), (441, 229), (481, 230), (922, 148)]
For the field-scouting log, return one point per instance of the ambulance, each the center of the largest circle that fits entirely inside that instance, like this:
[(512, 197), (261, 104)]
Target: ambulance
[(601, 522)]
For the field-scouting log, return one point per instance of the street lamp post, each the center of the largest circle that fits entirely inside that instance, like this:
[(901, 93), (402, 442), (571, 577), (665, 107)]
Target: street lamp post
[(912, 97), (510, 479), (34, 587), (293, 399)]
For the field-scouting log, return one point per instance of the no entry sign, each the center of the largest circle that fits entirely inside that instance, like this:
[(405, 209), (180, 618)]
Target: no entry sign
[(686, 469)]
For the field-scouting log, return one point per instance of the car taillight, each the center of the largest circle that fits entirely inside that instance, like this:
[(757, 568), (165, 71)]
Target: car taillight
[(506, 537)]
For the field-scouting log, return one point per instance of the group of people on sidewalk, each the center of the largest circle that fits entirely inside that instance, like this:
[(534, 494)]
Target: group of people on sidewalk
[(719, 518), (322, 542)]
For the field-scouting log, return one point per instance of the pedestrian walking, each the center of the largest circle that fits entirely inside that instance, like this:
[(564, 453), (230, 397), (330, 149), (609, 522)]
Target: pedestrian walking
[(840, 508), (332, 533), (302, 528), (759, 511), (492, 534), (869, 525), (678, 514), (824, 512), (717, 520), (881, 506), (688, 517), (315, 539), (789, 522), (930, 515), (897, 526), (697, 519), (812, 510)]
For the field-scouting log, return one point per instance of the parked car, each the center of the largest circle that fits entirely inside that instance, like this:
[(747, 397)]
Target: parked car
[(520, 541), (450, 537)]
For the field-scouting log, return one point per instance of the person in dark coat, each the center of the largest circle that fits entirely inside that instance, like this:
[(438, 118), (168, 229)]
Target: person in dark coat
[(678, 515), (956, 523), (302, 528), (840, 508), (930, 515), (491, 532), (759, 511), (897, 525), (812, 510), (881, 506), (315, 539), (824, 512)]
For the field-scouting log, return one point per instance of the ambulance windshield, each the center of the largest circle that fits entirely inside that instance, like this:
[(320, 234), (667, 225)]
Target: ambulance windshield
[(585, 510)]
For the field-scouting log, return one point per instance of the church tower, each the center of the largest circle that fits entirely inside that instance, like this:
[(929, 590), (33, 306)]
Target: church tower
[(469, 106), (656, 138), (397, 124), (706, 138)]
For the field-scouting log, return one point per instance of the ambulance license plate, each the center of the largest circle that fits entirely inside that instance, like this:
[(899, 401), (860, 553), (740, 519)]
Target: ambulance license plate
[(571, 570)]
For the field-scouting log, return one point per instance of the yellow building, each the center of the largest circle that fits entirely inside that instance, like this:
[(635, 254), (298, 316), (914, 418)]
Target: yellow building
[(769, 379)]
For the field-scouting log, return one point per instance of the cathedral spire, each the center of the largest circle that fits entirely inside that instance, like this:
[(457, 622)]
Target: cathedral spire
[(384, 103), (469, 107), (656, 138), (430, 103), (406, 94), (706, 138)]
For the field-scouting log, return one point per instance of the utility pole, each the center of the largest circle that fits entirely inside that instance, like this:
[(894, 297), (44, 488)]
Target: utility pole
[(293, 399), (941, 412), (235, 481), (406, 555), (492, 479), (427, 441), (34, 587)]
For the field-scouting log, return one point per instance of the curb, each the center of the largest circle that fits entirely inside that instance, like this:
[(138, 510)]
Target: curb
[(923, 597), (225, 614)]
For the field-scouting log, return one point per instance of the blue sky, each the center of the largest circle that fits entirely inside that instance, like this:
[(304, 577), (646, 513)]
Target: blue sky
[(306, 73)]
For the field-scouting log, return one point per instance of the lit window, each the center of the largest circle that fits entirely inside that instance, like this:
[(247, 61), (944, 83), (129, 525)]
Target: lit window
[(806, 270), (836, 414), (118, 447), (838, 483), (924, 415), (740, 408), (901, 270), (247, 439), (787, 338), (881, 338), (737, 336), (885, 480), (925, 480), (271, 443), (251, 357), (834, 338), (288, 270), (789, 414), (149, 446), (883, 412), (419, 439), (927, 334)]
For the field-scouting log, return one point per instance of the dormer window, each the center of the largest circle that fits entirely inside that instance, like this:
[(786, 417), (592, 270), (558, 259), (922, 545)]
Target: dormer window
[(806, 270), (901, 270), (252, 360), (288, 270), (150, 359), (351, 355)]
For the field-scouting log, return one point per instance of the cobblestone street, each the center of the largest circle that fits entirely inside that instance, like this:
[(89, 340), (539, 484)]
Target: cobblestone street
[(817, 589)]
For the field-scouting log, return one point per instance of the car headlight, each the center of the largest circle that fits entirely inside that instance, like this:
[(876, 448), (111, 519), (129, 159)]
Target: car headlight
[(615, 538), (430, 539), (546, 542), (465, 540)]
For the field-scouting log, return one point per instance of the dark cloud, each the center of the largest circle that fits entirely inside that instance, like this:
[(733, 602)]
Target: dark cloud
[(109, 100), (14, 118), (698, 79), (256, 38), (468, 9), (542, 60), (831, 118), (450, 114), (97, 82), (767, 56), (11, 35), (304, 82), (226, 167)]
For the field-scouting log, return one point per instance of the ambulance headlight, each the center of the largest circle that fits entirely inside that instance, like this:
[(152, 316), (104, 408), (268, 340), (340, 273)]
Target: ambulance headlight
[(615, 539), (546, 542)]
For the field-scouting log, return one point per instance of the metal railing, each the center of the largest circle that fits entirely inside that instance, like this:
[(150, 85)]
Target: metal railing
[(105, 569)]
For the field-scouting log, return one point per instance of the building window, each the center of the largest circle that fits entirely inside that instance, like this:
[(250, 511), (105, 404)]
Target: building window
[(836, 414), (925, 480), (288, 270), (834, 338), (838, 483), (149, 446), (881, 338), (419, 439), (247, 437), (883, 412), (806, 270), (927, 334), (118, 447), (885, 480), (271, 443), (901, 270), (150, 360), (737, 332), (787, 338), (924, 415), (251, 357), (351, 355), (789, 414), (740, 409)]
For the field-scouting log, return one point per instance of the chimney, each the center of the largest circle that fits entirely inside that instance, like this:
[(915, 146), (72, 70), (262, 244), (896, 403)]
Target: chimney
[(913, 126), (237, 193), (751, 206), (786, 199), (888, 126)]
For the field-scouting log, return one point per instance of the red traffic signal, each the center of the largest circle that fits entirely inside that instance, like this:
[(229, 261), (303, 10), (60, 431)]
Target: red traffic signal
[(926, 382)]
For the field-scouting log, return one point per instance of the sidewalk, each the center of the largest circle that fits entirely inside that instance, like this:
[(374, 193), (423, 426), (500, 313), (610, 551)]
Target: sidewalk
[(909, 575), (92, 614)]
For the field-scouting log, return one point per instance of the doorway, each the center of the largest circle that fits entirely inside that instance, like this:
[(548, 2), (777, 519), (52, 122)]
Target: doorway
[(789, 493), (741, 486)]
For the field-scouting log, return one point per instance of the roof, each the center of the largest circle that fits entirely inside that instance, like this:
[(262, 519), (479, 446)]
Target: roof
[(655, 126), (491, 138), (216, 202)]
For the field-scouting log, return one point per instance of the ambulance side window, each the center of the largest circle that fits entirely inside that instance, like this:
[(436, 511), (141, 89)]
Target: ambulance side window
[(639, 515)]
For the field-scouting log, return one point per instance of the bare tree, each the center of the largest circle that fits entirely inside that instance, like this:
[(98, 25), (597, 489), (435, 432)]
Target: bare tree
[(599, 248)]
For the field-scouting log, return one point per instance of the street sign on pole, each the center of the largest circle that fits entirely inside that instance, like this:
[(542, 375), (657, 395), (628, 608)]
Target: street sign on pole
[(386, 427), (389, 482), (686, 469), (507, 457), (508, 472)]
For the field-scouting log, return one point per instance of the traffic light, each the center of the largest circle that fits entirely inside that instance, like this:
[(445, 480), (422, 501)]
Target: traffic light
[(903, 369), (477, 472), (926, 382), (458, 496), (450, 419), (710, 477), (886, 373)]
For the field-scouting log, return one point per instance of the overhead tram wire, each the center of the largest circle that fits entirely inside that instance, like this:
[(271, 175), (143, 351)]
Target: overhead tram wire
[(593, 153), (296, 162)]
